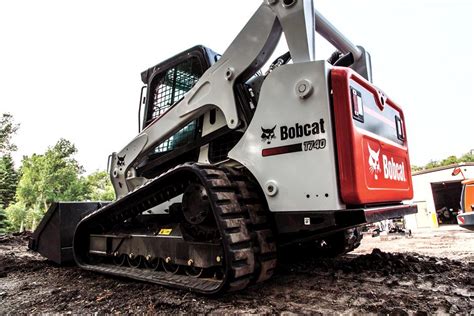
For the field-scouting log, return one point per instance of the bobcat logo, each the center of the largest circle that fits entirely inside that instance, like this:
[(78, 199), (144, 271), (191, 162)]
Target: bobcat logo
[(121, 160), (374, 164), (268, 134)]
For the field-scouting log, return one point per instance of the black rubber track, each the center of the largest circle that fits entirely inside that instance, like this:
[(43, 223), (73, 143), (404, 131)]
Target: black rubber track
[(251, 199), (246, 237)]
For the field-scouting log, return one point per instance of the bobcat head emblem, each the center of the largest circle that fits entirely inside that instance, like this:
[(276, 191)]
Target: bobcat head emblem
[(121, 160), (268, 134), (374, 164)]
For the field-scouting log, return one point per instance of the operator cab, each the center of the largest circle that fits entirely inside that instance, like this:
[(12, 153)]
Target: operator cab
[(165, 85)]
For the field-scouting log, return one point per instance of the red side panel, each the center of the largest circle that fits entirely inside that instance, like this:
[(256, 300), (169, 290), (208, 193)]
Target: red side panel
[(374, 166)]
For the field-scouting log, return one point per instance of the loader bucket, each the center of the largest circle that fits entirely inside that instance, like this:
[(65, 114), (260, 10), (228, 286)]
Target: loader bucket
[(53, 237)]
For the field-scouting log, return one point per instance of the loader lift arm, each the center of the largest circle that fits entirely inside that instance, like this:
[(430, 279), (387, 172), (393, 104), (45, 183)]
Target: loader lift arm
[(249, 51)]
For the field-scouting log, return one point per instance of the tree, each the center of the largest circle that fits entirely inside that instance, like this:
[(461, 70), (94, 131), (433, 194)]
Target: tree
[(451, 160), (7, 129), (415, 168), (16, 215), (45, 178), (53, 176), (8, 175), (8, 180), (4, 225), (100, 187), (467, 157)]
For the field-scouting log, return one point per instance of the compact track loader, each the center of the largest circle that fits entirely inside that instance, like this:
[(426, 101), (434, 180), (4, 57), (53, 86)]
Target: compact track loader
[(234, 162)]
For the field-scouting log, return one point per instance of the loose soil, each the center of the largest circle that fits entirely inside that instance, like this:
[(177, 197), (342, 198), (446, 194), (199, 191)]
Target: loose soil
[(429, 273)]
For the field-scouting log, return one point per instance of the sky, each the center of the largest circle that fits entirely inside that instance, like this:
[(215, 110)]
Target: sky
[(71, 69)]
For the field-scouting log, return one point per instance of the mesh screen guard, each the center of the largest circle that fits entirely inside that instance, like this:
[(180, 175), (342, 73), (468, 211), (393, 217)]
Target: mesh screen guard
[(169, 88)]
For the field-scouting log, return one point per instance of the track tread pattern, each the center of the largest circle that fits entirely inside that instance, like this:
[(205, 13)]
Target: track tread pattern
[(265, 248)]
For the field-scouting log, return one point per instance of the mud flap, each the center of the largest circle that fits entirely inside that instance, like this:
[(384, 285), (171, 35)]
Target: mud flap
[(53, 237)]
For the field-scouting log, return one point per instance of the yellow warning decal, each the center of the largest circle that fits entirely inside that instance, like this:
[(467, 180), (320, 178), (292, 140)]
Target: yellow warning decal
[(165, 231)]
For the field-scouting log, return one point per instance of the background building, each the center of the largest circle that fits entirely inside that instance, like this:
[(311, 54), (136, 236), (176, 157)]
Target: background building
[(437, 192)]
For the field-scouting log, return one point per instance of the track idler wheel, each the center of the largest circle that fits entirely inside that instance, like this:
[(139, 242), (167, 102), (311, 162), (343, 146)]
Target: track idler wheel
[(192, 270), (196, 206), (169, 267), (197, 212), (119, 260), (134, 261), (152, 263)]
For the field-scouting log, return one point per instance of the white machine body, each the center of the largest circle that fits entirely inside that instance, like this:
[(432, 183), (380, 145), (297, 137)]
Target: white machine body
[(299, 122)]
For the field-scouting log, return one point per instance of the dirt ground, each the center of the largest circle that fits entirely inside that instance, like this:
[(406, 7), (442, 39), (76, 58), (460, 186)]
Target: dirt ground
[(431, 272)]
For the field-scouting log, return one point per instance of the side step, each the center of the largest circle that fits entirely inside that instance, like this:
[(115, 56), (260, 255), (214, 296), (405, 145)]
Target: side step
[(53, 237)]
